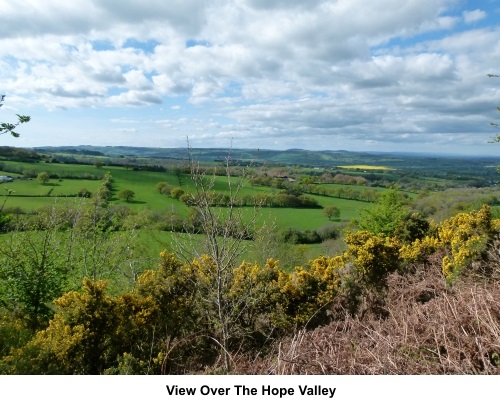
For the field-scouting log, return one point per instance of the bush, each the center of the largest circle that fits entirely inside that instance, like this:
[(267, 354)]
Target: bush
[(84, 193), (177, 193), (164, 188), (296, 236), (328, 231)]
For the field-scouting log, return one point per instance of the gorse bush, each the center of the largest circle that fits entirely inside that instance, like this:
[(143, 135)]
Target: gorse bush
[(463, 238), (168, 324), (205, 314)]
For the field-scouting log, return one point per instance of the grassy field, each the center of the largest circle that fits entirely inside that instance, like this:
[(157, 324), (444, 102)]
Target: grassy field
[(143, 183), (54, 188)]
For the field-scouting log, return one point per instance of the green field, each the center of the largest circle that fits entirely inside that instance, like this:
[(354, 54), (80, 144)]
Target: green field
[(30, 194)]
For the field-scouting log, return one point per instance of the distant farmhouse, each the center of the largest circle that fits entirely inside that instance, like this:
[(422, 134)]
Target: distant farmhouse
[(6, 179), (286, 178)]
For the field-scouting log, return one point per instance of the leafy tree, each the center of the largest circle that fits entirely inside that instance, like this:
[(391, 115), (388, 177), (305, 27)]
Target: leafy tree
[(164, 188), (386, 216), (332, 212), (126, 195), (412, 228), (34, 265), (43, 177), (177, 193), (7, 128)]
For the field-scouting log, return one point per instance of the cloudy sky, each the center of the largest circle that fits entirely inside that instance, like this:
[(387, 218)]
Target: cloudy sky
[(366, 75)]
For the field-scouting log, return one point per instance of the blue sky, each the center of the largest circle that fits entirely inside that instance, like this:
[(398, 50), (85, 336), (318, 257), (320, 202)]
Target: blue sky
[(363, 75)]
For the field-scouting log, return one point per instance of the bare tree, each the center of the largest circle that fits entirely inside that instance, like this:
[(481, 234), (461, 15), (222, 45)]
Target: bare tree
[(225, 227)]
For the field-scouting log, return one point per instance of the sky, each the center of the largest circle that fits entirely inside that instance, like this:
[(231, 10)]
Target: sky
[(359, 75)]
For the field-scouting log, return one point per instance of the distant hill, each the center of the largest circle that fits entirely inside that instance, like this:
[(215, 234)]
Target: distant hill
[(327, 159)]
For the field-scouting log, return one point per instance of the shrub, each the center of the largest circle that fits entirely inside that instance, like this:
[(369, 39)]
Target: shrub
[(328, 231), (296, 236), (84, 193), (164, 188), (177, 193)]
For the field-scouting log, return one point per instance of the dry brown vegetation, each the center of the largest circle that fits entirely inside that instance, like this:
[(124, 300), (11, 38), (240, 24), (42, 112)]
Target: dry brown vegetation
[(425, 326)]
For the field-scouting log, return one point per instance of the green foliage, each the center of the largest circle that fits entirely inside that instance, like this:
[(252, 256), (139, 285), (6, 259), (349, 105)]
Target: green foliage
[(164, 188), (86, 336), (33, 271), (445, 204), (331, 212), (127, 195), (177, 193), (413, 227), (386, 216), (296, 236), (7, 128), (171, 321), (43, 178), (49, 253), (84, 193)]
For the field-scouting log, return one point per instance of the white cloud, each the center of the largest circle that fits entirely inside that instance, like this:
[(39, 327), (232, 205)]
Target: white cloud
[(128, 130), (474, 16), (274, 68)]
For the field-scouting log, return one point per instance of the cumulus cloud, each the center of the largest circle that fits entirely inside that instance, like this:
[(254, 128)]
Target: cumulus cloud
[(276, 69)]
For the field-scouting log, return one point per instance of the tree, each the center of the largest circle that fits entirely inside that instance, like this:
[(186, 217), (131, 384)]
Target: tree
[(34, 264), (126, 195), (332, 212), (7, 128), (386, 216), (225, 228), (43, 177), (164, 188)]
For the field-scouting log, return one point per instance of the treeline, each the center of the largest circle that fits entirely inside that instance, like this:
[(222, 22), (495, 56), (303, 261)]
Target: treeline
[(72, 151), (307, 185), (18, 154), (60, 174), (280, 200), (285, 198)]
